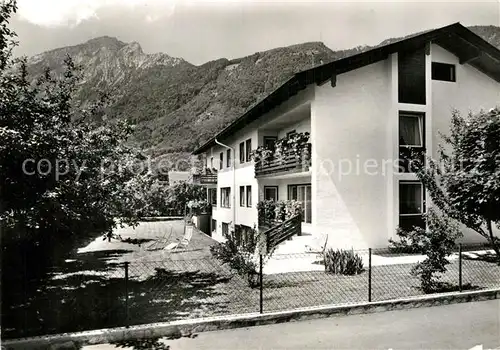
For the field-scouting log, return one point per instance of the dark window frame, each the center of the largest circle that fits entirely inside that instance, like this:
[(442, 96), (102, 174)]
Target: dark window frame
[(248, 150), (225, 229), (289, 189), (242, 196), (242, 152), (276, 188), (225, 202), (423, 203), (248, 193), (212, 198), (269, 138), (221, 160), (405, 150), (228, 158), (438, 72)]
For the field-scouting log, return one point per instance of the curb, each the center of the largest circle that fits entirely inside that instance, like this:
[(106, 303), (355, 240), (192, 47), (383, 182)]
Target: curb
[(177, 329)]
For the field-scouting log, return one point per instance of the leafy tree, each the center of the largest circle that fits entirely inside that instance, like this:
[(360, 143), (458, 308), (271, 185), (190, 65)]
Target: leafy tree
[(465, 182), (437, 242), (60, 178), (180, 194)]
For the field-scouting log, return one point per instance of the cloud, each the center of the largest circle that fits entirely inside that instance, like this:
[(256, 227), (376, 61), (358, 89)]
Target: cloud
[(53, 13)]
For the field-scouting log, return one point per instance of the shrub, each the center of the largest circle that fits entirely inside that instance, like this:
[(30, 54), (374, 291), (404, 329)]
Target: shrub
[(280, 211), (437, 242), (405, 245), (198, 207), (343, 262), (266, 211), (271, 212), (239, 254)]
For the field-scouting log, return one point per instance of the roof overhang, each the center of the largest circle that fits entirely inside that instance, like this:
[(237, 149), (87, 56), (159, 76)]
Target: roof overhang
[(467, 46)]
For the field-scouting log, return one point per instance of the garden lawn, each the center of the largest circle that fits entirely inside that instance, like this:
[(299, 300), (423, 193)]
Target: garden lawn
[(89, 291)]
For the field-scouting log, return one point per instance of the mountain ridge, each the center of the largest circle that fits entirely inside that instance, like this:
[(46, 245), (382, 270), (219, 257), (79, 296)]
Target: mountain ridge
[(176, 105)]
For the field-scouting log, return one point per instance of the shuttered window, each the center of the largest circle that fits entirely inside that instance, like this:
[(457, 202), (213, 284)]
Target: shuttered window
[(411, 76)]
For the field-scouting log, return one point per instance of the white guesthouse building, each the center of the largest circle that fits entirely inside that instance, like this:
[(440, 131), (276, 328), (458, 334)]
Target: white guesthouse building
[(360, 111)]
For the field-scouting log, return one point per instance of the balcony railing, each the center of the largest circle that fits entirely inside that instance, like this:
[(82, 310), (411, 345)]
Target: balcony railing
[(205, 178), (289, 163)]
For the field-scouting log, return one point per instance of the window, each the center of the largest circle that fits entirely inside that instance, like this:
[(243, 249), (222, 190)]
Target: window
[(242, 196), (269, 142), (248, 144), (411, 204), (242, 152), (221, 156), (211, 162), (228, 158), (411, 76), (214, 225), (443, 72), (271, 193), (212, 196), (225, 229), (225, 194), (411, 129), (411, 139), (302, 193), (249, 196)]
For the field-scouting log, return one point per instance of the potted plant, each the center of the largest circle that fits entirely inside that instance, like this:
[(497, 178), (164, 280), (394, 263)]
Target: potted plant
[(261, 154)]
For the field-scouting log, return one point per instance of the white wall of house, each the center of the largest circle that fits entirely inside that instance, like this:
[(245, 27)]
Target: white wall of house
[(349, 127), (355, 143), (302, 126), (472, 91)]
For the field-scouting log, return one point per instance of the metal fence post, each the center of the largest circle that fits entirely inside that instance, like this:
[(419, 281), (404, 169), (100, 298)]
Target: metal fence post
[(127, 319), (369, 274), (460, 267), (261, 286)]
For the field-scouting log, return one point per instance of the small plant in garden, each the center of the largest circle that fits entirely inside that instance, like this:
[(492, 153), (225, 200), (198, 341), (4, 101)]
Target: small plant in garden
[(239, 254), (343, 262), (437, 243), (404, 245)]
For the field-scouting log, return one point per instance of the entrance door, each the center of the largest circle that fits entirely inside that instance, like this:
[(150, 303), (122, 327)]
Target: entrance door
[(302, 193)]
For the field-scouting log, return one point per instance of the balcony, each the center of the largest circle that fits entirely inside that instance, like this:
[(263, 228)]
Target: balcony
[(206, 177), (289, 162)]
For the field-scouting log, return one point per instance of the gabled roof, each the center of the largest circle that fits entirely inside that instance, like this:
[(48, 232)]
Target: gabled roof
[(455, 38)]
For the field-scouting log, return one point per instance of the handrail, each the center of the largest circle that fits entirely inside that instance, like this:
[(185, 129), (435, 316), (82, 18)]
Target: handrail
[(283, 231)]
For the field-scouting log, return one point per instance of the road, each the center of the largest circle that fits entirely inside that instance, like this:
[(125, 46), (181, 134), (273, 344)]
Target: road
[(457, 326)]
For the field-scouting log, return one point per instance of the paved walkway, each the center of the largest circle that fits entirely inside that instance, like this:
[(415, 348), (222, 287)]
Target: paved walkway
[(310, 262), (458, 326)]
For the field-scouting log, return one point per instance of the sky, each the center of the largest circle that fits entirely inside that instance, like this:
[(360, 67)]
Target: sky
[(203, 30)]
